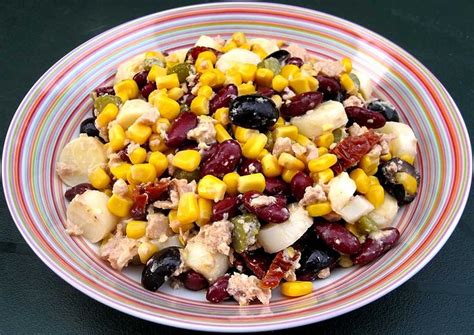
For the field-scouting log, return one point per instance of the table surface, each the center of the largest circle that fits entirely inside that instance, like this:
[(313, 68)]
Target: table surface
[(35, 34)]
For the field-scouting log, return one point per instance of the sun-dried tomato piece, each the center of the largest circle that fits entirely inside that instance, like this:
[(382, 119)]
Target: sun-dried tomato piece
[(138, 210), (284, 262), (156, 191), (351, 149), (257, 261)]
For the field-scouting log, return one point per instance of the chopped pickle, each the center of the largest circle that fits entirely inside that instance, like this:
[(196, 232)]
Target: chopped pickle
[(246, 228)]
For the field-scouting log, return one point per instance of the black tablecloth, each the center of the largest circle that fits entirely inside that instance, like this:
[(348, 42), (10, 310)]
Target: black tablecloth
[(35, 34)]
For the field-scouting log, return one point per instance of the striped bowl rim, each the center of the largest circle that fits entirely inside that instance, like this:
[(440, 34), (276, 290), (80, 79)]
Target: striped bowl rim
[(50, 114)]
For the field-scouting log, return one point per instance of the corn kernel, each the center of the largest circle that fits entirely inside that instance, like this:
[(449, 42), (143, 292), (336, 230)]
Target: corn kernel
[(212, 188), (156, 71), (319, 209), (205, 91), (323, 177), (99, 178), (188, 208), (138, 133), (279, 83), (135, 229), (303, 140), (286, 131), (264, 77), (161, 124), (108, 114), (287, 175), (289, 70), (138, 155), (325, 140), (239, 38), (386, 157), (251, 182), (277, 100), (290, 162), (120, 171), (322, 151), (119, 206), (246, 89), (187, 160), (175, 93), (208, 78), (168, 108), (126, 89), (256, 48), (203, 65), (300, 85), (347, 83), (209, 55), (280, 123), (243, 134), (347, 64), (159, 161), (296, 288), (116, 137), (313, 83), (205, 211), (408, 181), (231, 179), (254, 146), (248, 71), (154, 54), (270, 167), (108, 192), (143, 173), (375, 195), (146, 250), (222, 116), (345, 261), (262, 154), (220, 77), (229, 46), (200, 105), (169, 81), (373, 180), (156, 143), (177, 226), (369, 164), (408, 158), (361, 179), (221, 133), (232, 76), (322, 163)]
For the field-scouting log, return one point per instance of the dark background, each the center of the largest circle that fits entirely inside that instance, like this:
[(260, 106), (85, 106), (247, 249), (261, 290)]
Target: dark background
[(35, 34)]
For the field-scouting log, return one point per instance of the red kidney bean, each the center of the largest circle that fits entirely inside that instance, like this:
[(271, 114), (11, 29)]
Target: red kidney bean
[(274, 186), (223, 98), (330, 87), (217, 291), (208, 153), (188, 99), (266, 91), (147, 89), (138, 209), (103, 90), (257, 261), (338, 238), (272, 213), (141, 78), (193, 281), (77, 189), (225, 159), (376, 244), (228, 205), (194, 52), (249, 166), (295, 61), (299, 183), (301, 103), (177, 134), (365, 117)]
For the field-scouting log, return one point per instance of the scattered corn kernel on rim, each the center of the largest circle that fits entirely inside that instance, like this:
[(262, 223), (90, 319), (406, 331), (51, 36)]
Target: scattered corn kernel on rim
[(35, 197)]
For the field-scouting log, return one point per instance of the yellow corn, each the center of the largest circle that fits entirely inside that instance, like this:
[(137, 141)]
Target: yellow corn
[(408, 158), (264, 77), (169, 81), (229, 46), (323, 176), (108, 192), (220, 77), (146, 250), (289, 70), (138, 133), (280, 123), (143, 173), (222, 116), (251, 182), (319, 209), (212, 188), (239, 38), (126, 89), (156, 71), (287, 175), (290, 162), (188, 208), (119, 206), (243, 134), (161, 124), (208, 55), (375, 195), (233, 76), (203, 65), (221, 133), (116, 137), (231, 179), (120, 171), (187, 160), (262, 154), (138, 155), (296, 288), (246, 89), (159, 161), (277, 100), (109, 113), (407, 180), (303, 140), (279, 83), (322, 163), (347, 64), (386, 157), (99, 178), (254, 145), (248, 71), (286, 131), (259, 51), (270, 167), (205, 91), (373, 180), (208, 78), (200, 105), (361, 179), (325, 140), (347, 83), (175, 93), (322, 151), (369, 164), (300, 85), (135, 229), (313, 83), (156, 143), (205, 211), (168, 108)]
